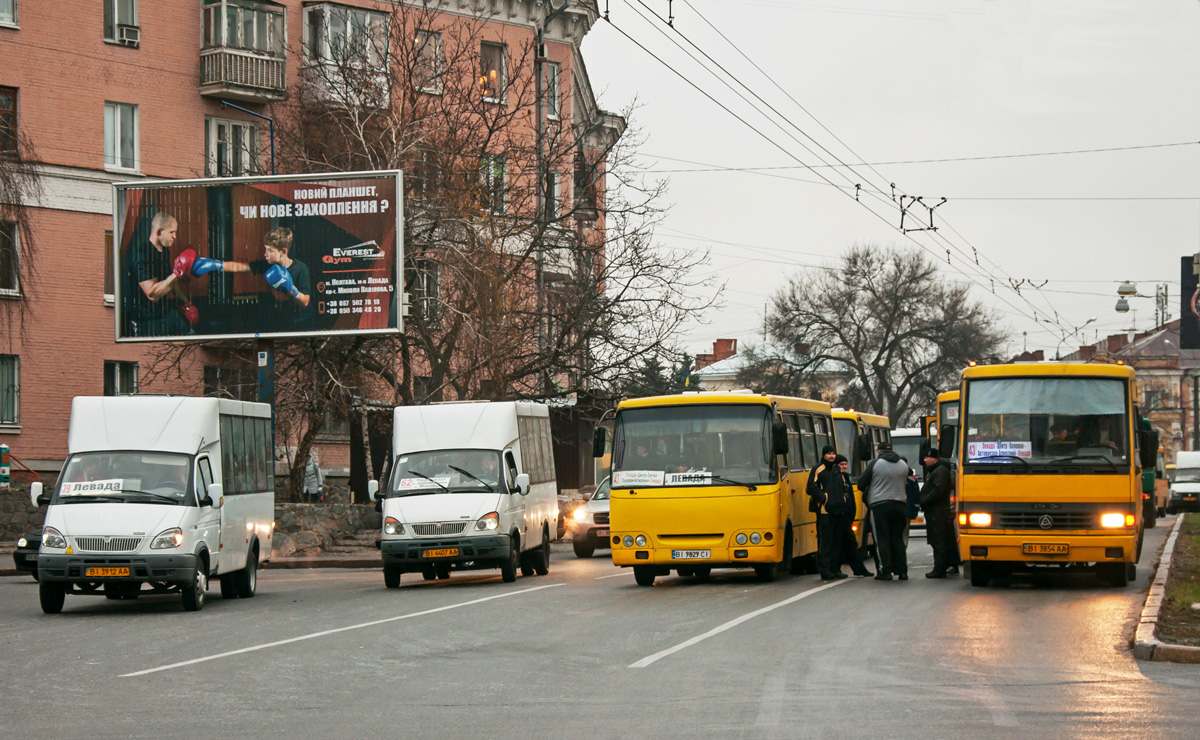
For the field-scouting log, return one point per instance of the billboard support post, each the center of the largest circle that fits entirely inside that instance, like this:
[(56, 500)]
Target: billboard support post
[(266, 375)]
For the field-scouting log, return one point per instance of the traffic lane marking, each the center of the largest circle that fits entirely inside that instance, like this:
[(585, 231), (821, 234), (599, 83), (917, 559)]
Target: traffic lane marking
[(334, 631), (615, 575), (649, 660)]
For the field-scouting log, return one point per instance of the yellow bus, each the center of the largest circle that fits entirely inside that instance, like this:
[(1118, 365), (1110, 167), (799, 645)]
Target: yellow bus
[(1050, 470), (714, 480), (858, 437)]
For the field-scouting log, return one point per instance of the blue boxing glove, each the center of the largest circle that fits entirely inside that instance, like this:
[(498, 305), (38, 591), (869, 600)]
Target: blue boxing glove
[(281, 280), (204, 265)]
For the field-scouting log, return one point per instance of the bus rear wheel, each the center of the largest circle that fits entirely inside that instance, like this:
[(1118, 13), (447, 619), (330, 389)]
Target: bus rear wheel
[(644, 575), (767, 572)]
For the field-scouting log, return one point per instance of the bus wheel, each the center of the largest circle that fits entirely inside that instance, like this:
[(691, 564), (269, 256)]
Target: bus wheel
[(508, 569), (52, 595), (980, 574), (246, 579), (644, 575), (702, 573), (1115, 574), (767, 572), (541, 556), (391, 576)]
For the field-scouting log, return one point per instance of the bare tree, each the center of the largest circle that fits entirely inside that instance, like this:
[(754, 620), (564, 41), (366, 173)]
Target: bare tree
[(885, 317), (20, 189)]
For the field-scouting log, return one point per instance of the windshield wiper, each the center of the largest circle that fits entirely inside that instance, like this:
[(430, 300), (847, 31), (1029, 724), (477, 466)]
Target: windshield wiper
[(723, 479), (469, 474), (73, 498), (1085, 457), (426, 477), (162, 496), (1021, 460)]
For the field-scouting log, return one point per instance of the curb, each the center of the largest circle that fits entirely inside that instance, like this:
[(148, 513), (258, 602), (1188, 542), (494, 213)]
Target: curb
[(1145, 645)]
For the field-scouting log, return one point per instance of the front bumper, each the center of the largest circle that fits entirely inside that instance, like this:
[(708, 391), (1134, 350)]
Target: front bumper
[(1188, 502), (722, 555), (25, 560), (485, 551), (597, 535), (1080, 548), (167, 568)]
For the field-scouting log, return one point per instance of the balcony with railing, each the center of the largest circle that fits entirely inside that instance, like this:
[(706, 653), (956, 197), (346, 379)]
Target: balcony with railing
[(243, 56)]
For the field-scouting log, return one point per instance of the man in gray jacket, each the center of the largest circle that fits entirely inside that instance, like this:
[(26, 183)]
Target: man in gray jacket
[(883, 488)]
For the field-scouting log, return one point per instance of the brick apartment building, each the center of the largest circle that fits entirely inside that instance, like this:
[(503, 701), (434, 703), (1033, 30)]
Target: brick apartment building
[(104, 91)]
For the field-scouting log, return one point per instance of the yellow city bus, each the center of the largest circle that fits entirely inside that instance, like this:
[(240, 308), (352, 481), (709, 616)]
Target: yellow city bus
[(858, 436), (1049, 470), (714, 480)]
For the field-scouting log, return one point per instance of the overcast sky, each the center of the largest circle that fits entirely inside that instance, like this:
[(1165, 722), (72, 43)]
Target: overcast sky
[(888, 81)]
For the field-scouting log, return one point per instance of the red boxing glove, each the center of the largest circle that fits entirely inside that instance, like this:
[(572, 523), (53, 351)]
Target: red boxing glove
[(190, 312), (183, 264)]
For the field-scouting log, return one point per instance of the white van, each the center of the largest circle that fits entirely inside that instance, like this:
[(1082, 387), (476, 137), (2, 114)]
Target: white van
[(1184, 492), (472, 486), (158, 495)]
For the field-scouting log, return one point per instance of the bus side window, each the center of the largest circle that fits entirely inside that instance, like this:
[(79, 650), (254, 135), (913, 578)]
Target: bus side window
[(808, 440), (204, 479), (510, 463), (795, 457), (822, 426)]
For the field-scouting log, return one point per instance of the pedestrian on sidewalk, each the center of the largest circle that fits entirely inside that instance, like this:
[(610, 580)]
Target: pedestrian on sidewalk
[(883, 485), (314, 478), (939, 516)]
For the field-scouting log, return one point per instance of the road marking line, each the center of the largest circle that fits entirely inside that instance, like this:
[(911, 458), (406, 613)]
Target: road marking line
[(335, 631), (616, 575), (733, 623)]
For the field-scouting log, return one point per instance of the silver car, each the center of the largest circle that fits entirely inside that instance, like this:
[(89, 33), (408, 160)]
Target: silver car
[(589, 523)]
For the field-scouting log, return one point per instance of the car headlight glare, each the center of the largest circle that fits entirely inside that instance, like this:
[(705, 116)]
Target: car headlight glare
[(167, 539), (488, 522), (640, 540), (392, 525), (741, 538), (22, 542), (628, 541), (51, 537), (755, 538), (580, 514), (979, 519), (1113, 520)]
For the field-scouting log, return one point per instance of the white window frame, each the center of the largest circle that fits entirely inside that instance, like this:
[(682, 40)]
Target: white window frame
[(553, 90), (118, 18), (421, 40), (216, 27), (113, 138), (554, 204), (375, 23), (502, 72), (15, 421), (110, 298), (495, 188), (14, 235), (119, 369), (428, 291), (8, 13), (248, 146)]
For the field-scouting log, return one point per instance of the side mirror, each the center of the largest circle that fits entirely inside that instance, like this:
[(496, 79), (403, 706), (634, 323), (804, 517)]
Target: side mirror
[(35, 494), (523, 483), (598, 442), (779, 440), (865, 450), (373, 489), (945, 441), (216, 496)]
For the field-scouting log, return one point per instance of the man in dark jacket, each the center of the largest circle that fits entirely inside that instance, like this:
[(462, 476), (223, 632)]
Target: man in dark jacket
[(836, 543), (939, 516), (883, 485)]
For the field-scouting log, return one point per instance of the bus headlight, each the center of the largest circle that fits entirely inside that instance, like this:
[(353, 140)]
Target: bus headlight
[(640, 540), (1114, 520), (628, 541), (392, 525), (51, 537), (741, 538), (488, 521), (755, 538), (979, 519), (166, 540)]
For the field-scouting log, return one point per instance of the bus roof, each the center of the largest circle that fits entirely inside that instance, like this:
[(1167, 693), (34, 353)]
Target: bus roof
[(726, 397), (1049, 369), (871, 420), (948, 396)]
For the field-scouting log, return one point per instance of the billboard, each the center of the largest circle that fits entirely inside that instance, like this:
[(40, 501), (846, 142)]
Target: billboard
[(247, 257), (1189, 311)]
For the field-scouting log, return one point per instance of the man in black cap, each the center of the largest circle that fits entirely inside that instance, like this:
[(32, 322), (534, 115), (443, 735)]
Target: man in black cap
[(836, 543), (939, 515)]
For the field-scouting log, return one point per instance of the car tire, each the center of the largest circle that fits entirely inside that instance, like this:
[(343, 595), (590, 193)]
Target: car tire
[(246, 579), (508, 569), (644, 575), (429, 574), (193, 593), (228, 587), (1162, 511), (583, 548), (981, 574), (391, 576), (541, 556), (52, 596), (442, 572)]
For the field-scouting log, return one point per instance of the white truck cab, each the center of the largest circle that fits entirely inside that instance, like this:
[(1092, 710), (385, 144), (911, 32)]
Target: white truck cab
[(472, 486), (158, 495)]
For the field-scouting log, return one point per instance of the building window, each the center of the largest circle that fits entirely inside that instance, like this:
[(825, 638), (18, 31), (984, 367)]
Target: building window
[(239, 383), (553, 196), (424, 174), (10, 389), (120, 136), (428, 292), (118, 13), (120, 378), (8, 12), (491, 173), (1152, 401), (244, 24), (427, 62), (336, 34), (231, 147), (10, 274), (491, 71), (553, 87), (109, 258), (8, 119)]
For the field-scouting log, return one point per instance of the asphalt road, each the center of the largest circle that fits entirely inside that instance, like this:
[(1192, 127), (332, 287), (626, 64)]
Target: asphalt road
[(585, 653)]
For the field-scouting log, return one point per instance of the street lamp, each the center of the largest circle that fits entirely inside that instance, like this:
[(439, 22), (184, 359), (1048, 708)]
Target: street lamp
[(1073, 332)]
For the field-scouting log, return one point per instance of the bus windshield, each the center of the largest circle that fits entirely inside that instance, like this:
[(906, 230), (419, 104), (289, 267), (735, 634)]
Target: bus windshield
[(1044, 421), (124, 477), (701, 445), (1186, 475), (439, 471)]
